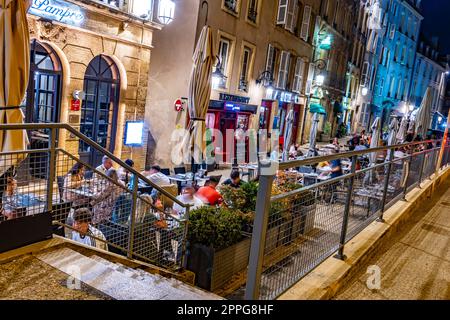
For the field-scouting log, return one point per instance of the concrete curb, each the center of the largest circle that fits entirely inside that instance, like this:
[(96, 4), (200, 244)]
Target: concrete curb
[(325, 281)]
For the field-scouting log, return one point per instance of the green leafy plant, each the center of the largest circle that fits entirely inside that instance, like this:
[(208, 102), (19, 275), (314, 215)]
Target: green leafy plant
[(215, 227), (327, 128), (233, 197)]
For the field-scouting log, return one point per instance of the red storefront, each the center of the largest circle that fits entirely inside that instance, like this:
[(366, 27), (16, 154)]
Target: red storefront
[(234, 118)]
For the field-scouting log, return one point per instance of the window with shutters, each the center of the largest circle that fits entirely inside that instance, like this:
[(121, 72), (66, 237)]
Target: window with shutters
[(405, 89), (246, 62), (270, 61), (391, 87), (364, 116), (336, 14), (306, 20), (310, 79), (292, 15), (282, 11), (399, 93), (364, 74), (284, 70), (298, 75), (253, 8), (224, 55), (392, 31)]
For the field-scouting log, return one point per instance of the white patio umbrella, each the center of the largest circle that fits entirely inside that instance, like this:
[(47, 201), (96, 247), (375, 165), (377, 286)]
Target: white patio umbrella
[(288, 134), (199, 94), (313, 135), (423, 117), (14, 74), (392, 138), (374, 143)]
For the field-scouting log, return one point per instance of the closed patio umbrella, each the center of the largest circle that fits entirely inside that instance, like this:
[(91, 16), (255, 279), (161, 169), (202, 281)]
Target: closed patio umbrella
[(392, 138), (423, 117), (313, 136), (199, 94), (403, 130), (374, 143), (14, 73), (288, 134)]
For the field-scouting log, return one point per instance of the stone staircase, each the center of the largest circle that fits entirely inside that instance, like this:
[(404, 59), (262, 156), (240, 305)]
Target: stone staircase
[(119, 281)]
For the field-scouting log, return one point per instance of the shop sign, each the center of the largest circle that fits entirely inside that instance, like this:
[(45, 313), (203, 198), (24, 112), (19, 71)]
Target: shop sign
[(233, 98), (57, 10)]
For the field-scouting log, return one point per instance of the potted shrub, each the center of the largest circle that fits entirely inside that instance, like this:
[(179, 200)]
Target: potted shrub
[(326, 134), (217, 248)]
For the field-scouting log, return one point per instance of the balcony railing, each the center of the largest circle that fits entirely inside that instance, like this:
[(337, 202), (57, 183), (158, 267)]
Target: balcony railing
[(129, 7)]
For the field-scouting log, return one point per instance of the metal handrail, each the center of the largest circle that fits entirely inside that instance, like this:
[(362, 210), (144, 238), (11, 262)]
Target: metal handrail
[(37, 126), (310, 161)]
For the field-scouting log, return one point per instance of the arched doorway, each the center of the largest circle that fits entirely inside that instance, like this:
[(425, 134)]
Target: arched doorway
[(43, 100), (100, 107)]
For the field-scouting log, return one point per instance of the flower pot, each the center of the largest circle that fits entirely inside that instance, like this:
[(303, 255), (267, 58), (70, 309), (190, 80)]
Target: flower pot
[(213, 268), (325, 137)]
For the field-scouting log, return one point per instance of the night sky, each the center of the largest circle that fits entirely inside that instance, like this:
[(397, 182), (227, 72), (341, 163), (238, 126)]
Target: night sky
[(437, 21)]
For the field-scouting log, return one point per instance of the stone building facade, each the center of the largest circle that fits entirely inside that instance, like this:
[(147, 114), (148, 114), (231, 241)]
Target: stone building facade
[(105, 54)]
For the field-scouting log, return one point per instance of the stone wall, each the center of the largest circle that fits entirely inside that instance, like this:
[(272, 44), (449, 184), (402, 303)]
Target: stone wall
[(130, 49)]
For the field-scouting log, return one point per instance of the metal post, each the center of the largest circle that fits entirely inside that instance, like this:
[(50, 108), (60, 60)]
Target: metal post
[(386, 185), (133, 218), (422, 165), (259, 237), (405, 189), (340, 255), (52, 169), (186, 226)]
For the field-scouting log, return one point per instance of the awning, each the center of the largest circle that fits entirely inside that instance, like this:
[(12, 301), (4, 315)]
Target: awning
[(317, 108)]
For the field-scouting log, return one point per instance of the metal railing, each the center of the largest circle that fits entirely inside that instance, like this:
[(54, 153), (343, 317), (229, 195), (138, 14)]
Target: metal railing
[(302, 218), (128, 217)]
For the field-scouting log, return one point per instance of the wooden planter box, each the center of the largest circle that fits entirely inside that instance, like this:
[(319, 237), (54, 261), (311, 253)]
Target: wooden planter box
[(215, 269)]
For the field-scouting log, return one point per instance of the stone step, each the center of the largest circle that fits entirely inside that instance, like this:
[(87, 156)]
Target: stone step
[(129, 272), (105, 278)]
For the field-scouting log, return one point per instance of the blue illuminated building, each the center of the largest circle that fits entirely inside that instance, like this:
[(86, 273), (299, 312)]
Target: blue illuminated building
[(394, 73)]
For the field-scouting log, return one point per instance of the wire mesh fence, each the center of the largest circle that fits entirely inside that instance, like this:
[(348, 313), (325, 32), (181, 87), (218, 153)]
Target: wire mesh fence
[(317, 207), (111, 207)]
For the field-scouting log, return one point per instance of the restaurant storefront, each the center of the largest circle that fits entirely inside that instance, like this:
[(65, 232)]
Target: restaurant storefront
[(232, 117), (89, 68)]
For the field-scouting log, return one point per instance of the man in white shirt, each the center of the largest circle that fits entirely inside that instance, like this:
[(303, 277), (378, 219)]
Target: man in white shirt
[(85, 233), (187, 197), (98, 180), (157, 177)]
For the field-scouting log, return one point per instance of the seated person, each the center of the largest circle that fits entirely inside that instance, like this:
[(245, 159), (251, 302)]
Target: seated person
[(361, 146), (124, 175), (187, 197), (74, 181), (84, 232), (336, 167), (104, 200), (157, 177), (235, 180), (98, 179), (208, 194), (294, 151)]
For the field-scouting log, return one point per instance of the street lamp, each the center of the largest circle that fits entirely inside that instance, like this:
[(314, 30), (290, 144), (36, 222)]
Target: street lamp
[(411, 107), (166, 11), (320, 79), (440, 119)]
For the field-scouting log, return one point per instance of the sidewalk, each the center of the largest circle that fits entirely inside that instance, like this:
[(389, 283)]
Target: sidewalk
[(415, 265)]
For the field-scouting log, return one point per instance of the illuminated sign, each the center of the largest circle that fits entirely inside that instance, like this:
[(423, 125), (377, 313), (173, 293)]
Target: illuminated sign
[(57, 10), (134, 133)]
